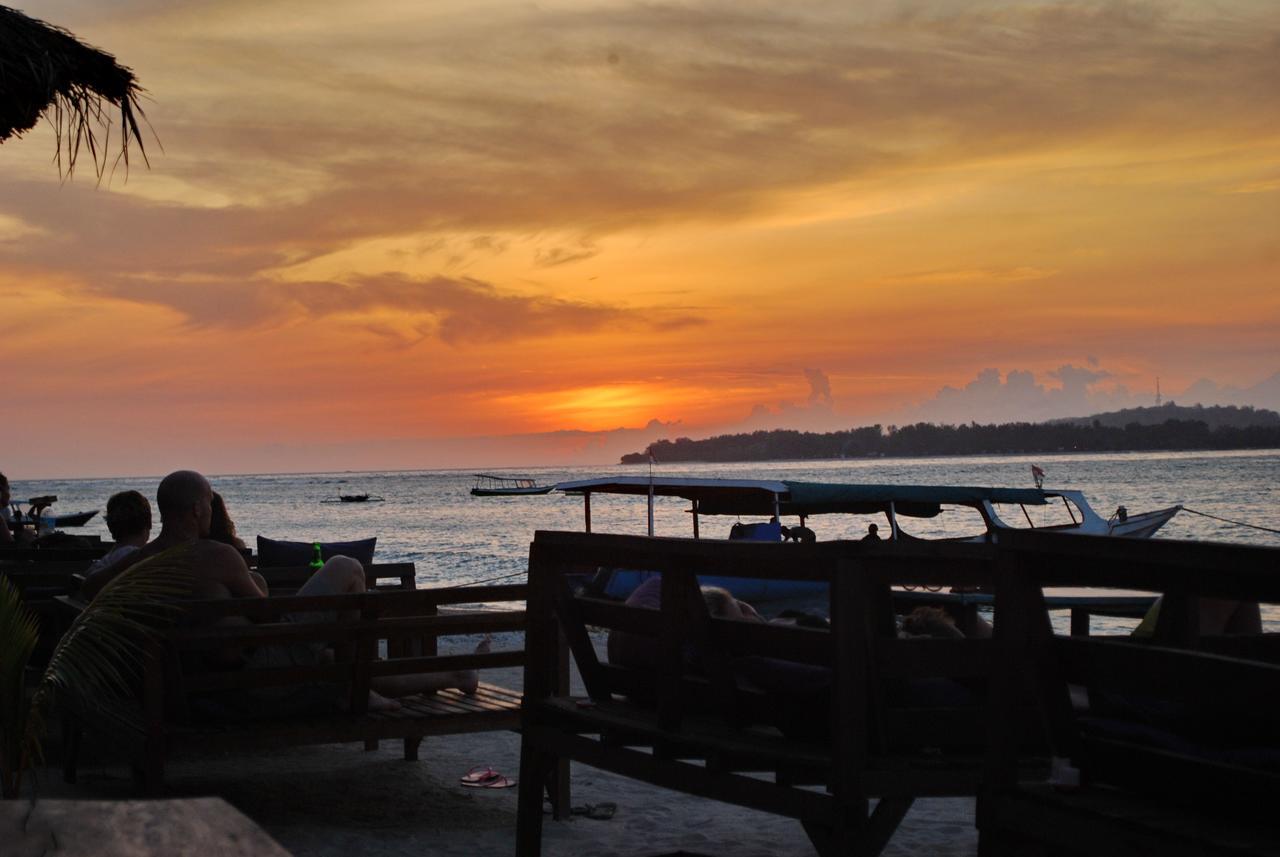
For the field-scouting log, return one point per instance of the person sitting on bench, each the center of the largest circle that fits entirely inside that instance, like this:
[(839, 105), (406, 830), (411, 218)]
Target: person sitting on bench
[(7, 536), (185, 499), (129, 520)]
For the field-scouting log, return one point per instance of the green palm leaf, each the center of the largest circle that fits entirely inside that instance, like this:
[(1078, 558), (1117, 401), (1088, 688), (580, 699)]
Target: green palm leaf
[(102, 654), (18, 633)]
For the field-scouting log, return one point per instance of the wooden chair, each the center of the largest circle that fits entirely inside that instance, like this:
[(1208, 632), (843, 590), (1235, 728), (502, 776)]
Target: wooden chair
[(1174, 739), (688, 724)]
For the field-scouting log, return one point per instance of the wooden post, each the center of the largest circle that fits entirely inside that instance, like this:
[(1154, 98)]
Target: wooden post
[(671, 645), (541, 637), (541, 670), (1080, 621), (850, 726), (1009, 635)]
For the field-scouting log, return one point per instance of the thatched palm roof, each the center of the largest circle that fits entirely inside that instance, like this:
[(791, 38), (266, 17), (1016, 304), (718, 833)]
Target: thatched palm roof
[(44, 70)]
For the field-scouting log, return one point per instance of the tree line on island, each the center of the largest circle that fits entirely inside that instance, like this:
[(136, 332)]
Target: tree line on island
[(1164, 428)]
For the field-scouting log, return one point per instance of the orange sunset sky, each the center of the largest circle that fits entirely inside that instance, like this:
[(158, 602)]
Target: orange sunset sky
[(425, 233)]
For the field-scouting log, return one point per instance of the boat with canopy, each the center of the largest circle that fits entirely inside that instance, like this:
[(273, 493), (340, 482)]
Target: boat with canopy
[(40, 516), (491, 485), (986, 512)]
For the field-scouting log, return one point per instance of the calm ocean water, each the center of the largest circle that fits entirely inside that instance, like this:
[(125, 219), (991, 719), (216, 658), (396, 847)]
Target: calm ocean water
[(429, 517)]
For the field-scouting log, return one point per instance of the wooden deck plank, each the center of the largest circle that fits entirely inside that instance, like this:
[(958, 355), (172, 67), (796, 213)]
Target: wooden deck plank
[(80, 828)]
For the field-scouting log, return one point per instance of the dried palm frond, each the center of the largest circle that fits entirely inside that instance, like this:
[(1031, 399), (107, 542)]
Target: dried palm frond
[(46, 71)]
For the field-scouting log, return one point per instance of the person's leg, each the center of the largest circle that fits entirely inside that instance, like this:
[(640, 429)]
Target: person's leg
[(407, 685), (1247, 619), (1228, 616), (341, 575)]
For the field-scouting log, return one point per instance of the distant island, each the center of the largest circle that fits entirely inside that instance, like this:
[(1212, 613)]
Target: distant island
[(1167, 427)]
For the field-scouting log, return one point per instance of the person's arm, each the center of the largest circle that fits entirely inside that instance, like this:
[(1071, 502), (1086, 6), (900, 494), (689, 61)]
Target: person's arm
[(95, 582), (228, 568), (260, 581), (246, 585)]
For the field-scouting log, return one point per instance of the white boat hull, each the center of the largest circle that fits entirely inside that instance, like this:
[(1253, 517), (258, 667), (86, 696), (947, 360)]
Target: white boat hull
[(1142, 526)]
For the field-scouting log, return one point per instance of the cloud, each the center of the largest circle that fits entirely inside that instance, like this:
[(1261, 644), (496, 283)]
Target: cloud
[(384, 124), (819, 386), (1264, 394), (973, 275), (564, 255), (817, 413), (1076, 392), (457, 311), (1019, 397), (1265, 186), (588, 122)]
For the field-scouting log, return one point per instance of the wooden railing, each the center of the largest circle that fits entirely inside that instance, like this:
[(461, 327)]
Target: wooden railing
[(1172, 738), (688, 723)]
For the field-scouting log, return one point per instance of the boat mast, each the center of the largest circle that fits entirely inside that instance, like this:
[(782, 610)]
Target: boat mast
[(651, 506), (650, 492)]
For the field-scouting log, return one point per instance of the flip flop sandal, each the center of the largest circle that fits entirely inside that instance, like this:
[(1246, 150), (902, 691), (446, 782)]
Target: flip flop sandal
[(478, 775), (598, 811), (498, 781)]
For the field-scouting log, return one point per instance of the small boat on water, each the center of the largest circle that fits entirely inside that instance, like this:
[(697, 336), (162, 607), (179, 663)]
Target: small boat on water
[(982, 512), (489, 485), (75, 519), (354, 498), (43, 521)]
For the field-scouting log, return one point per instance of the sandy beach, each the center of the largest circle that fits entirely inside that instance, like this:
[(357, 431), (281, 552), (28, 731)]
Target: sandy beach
[(339, 799)]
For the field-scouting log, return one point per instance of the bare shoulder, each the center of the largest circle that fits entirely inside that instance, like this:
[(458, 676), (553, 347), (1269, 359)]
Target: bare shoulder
[(218, 562), (217, 552)]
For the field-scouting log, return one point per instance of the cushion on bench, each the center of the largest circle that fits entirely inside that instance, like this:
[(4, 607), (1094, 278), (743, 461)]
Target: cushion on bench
[(274, 552)]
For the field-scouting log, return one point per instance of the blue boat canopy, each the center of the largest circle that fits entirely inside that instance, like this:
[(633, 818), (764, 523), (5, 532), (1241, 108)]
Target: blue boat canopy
[(916, 501), (757, 491)]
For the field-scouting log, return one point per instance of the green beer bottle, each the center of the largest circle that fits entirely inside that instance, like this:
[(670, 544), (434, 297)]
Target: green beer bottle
[(317, 561)]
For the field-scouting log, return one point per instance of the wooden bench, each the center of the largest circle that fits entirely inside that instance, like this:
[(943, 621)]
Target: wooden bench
[(378, 577), (27, 553), (1174, 739), (44, 578), (39, 583), (690, 725), (42, 582), (182, 705)]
